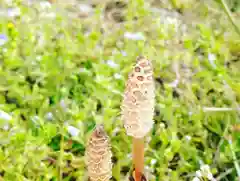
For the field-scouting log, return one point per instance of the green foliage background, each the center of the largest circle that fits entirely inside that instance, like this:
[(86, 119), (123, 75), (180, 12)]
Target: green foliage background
[(70, 69)]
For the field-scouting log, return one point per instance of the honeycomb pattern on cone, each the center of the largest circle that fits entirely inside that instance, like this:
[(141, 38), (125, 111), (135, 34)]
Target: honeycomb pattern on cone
[(98, 156), (138, 101)]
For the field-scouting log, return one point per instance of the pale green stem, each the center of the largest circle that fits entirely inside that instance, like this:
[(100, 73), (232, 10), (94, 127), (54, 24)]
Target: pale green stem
[(234, 158), (228, 12), (60, 158), (219, 109)]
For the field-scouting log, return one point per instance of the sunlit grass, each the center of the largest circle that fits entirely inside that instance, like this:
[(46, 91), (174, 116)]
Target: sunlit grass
[(62, 72)]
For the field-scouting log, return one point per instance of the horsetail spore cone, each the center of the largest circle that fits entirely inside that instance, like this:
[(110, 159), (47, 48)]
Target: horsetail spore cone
[(138, 109), (138, 101), (98, 156)]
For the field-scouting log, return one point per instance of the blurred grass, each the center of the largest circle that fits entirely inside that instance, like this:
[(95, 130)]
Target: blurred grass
[(65, 65)]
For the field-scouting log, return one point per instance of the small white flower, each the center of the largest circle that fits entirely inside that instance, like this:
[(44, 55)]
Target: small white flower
[(73, 131), (39, 58), (3, 39), (174, 83), (45, 5), (35, 120), (124, 53), (205, 168), (198, 174), (49, 116), (129, 155), (114, 52), (50, 15), (13, 12), (5, 116), (9, 2), (162, 125), (188, 138), (6, 127), (212, 58), (117, 76), (170, 20), (63, 105), (134, 36), (112, 64), (115, 131), (85, 9), (83, 70), (196, 179), (206, 172), (153, 161), (210, 176)]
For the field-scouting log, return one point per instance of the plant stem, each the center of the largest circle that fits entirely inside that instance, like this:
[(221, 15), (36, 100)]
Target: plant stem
[(60, 158), (219, 109), (138, 157), (230, 17), (234, 158)]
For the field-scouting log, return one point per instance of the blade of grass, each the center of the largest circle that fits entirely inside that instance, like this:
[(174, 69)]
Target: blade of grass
[(234, 158), (230, 17), (219, 109)]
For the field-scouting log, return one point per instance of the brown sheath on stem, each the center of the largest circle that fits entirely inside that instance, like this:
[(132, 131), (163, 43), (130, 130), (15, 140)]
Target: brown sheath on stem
[(132, 177)]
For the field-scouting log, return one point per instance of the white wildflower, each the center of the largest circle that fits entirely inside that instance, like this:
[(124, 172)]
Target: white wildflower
[(73, 131), (170, 20), (162, 125), (39, 58), (134, 36), (196, 179), (199, 173), (45, 5), (204, 173), (115, 131), (188, 138), (153, 161), (83, 70), (6, 127), (63, 105), (85, 9), (210, 176), (174, 83), (3, 39), (5, 116), (13, 12), (50, 15), (212, 58), (205, 167), (117, 76), (112, 64), (124, 53), (49, 116), (35, 120), (9, 2)]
